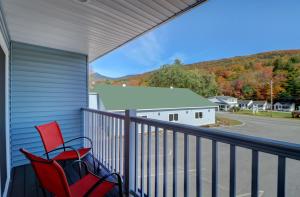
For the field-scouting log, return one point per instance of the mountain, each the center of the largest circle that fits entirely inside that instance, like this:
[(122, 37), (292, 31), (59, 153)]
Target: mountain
[(98, 77), (245, 77), (101, 78)]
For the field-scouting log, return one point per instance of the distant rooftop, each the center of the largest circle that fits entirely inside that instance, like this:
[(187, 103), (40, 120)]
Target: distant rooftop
[(143, 98), (244, 101), (259, 102), (222, 97)]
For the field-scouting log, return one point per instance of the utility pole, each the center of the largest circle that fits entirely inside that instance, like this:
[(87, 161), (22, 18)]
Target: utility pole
[(271, 84)]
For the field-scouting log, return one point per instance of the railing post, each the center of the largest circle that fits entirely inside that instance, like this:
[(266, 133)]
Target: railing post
[(129, 147)]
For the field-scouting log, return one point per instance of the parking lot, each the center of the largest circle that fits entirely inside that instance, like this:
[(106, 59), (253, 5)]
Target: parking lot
[(277, 129)]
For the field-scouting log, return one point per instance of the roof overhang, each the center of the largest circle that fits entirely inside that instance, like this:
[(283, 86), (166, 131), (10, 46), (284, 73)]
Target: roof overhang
[(95, 27)]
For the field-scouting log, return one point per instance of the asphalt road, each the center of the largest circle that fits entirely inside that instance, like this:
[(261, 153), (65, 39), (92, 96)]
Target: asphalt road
[(278, 129), (274, 128)]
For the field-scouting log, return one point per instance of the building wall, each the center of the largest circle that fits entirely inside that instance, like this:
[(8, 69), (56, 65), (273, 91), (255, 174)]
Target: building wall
[(185, 116), (46, 85), (4, 146)]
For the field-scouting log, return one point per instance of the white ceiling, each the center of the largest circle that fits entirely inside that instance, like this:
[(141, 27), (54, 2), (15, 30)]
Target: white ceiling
[(94, 28)]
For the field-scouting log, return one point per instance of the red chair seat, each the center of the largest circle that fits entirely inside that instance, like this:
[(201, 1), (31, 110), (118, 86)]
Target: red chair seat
[(79, 188), (71, 154)]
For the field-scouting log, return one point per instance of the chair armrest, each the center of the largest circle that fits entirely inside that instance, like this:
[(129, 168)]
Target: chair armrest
[(83, 137), (100, 181), (65, 147)]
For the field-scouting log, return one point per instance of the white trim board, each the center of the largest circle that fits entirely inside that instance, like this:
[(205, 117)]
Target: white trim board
[(6, 51), (162, 109)]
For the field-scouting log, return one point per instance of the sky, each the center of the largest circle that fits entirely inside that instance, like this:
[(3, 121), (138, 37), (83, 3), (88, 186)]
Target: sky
[(214, 30)]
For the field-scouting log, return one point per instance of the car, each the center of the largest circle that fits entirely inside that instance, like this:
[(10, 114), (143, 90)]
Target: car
[(296, 114)]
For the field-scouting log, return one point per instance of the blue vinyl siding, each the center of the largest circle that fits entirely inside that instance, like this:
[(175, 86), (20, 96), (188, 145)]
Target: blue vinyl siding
[(45, 85), (3, 26)]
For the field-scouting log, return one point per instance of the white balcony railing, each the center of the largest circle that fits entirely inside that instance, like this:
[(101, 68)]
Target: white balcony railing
[(158, 158)]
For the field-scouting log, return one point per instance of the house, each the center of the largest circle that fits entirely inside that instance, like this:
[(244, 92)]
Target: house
[(178, 105), (284, 106), (224, 102), (245, 104), (259, 105)]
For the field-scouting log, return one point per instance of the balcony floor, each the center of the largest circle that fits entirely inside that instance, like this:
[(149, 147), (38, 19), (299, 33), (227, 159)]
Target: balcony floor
[(24, 182)]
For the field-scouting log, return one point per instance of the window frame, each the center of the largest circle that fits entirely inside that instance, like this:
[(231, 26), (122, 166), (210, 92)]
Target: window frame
[(171, 117)]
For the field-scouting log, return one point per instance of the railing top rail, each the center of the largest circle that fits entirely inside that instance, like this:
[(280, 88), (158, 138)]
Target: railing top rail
[(110, 114), (289, 150)]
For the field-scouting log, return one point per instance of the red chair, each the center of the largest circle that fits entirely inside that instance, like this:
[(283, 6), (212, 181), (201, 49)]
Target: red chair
[(53, 140), (52, 178)]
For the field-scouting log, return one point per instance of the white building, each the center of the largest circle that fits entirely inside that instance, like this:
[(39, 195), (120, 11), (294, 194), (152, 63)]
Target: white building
[(224, 102), (245, 104), (284, 106), (260, 105), (178, 105)]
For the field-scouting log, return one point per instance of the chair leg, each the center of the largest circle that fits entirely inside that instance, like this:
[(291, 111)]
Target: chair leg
[(95, 170), (79, 165), (120, 186), (44, 192)]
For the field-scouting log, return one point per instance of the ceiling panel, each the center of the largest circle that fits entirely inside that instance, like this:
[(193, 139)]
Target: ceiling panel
[(93, 28)]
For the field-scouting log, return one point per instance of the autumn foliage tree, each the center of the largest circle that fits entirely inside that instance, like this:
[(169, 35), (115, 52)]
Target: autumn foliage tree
[(174, 75)]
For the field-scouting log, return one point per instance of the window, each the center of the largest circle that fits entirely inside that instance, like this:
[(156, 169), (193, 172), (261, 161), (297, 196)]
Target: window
[(173, 117), (176, 117), (198, 115), (144, 116)]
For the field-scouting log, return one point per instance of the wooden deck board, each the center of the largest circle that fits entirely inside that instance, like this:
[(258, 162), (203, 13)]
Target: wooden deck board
[(24, 182)]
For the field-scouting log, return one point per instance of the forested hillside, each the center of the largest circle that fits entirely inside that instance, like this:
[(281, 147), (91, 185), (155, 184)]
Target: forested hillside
[(246, 77)]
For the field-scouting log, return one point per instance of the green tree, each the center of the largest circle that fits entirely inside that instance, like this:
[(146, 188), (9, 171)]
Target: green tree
[(174, 75)]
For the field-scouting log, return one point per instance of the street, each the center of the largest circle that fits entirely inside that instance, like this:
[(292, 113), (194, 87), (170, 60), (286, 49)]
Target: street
[(278, 129)]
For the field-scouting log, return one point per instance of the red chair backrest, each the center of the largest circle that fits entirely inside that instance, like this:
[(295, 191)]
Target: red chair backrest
[(51, 135), (50, 175)]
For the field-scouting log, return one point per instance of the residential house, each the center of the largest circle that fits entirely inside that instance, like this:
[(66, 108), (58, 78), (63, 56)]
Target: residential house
[(259, 105), (245, 104), (224, 102), (284, 106), (178, 105)]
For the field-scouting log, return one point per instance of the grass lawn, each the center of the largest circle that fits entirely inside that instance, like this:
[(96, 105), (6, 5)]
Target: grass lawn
[(222, 121), (266, 114)]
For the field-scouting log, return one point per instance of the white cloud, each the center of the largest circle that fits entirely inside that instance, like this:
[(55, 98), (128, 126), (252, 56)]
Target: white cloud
[(146, 51)]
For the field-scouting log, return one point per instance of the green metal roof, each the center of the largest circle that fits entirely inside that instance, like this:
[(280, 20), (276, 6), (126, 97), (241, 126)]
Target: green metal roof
[(129, 97)]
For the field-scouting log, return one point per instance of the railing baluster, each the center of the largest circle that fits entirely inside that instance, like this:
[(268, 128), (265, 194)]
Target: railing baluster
[(121, 145), (101, 140), (142, 159), (254, 180), (116, 144), (112, 144), (96, 150), (214, 177), (165, 155), (198, 167), (156, 185), (174, 164), (106, 141), (232, 185), (149, 161), (281, 176), (186, 165), (136, 142), (93, 128)]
